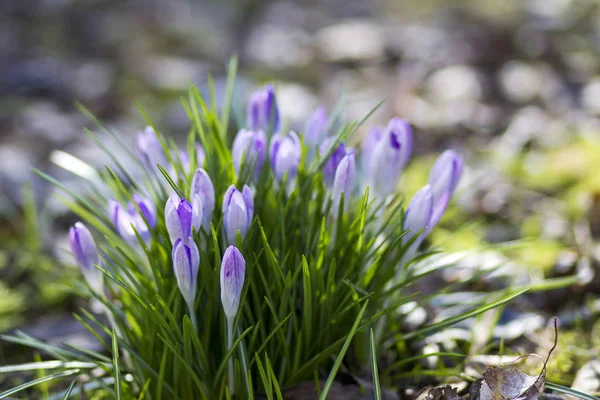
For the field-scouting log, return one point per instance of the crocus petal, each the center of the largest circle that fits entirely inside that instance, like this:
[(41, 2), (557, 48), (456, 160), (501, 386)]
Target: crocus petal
[(250, 148), (233, 271), (203, 187), (262, 112), (316, 127), (332, 163), (444, 178), (418, 216), (236, 217), (345, 177), (197, 210), (386, 155), (286, 156), (249, 200), (186, 260), (86, 255)]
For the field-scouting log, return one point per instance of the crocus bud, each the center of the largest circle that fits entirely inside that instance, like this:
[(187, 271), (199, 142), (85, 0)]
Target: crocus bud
[(332, 163), (387, 156), (186, 260), (249, 147), (368, 144), (285, 152), (150, 150), (202, 186), (444, 177), (127, 220), (316, 128), (181, 216), (146, 206), (238, 209), (417, 218), (345, 177), (233, 271), (263, 113), (85, 253)]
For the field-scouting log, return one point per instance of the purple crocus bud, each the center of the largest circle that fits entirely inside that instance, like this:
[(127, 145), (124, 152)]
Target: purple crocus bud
[(345, 177), (178, 218), (417, 219), (368, 144), (238, 209), (444, 177), (86, 255), (186, 260), (263, 113), (127, 223), (285, 152), (202, 186), (147, 208), (388, 156), (233, 272), (332, 163), (316, 128), (249, 147), (150, 150)]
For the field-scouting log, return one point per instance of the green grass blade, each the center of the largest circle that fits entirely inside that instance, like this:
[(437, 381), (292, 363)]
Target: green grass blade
[(69, 390), (461, 317), (569, 391), (374, 370), (340, 357), (38, 381), (115, 360)]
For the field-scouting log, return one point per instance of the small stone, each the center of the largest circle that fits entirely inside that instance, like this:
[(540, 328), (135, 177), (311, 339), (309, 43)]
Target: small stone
[(172, 73), (352, 40), (279, 47), (591, 96), (455, 83), (520, 81)]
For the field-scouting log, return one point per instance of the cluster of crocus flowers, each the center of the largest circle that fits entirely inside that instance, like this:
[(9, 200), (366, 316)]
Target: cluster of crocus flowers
[(261, 144)]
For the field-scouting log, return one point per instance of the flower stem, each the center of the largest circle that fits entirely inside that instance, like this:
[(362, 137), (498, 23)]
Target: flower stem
[(193, 317), (230, 362)]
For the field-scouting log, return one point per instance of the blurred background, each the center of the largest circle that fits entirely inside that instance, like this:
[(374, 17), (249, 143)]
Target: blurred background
[(514, 85)]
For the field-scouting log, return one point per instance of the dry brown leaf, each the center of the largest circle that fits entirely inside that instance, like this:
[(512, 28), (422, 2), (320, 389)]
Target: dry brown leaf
[(500, 383)]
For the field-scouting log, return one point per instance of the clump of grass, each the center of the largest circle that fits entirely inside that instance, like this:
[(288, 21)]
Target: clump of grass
[(327, 261)]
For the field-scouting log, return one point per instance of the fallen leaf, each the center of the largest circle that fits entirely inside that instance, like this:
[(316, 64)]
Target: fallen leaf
[(500, 383), (443, 393)]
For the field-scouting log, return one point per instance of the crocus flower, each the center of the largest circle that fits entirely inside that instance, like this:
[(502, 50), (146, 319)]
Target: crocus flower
[(417, 219), (249, 147), (387, 154), (150, 150), (146, 206), (345, 177), (285, 152), (444, 177), (316, 128), (186, 260), (238, 209), (128, 220), (332, 163), (233, 271), (86, 255), (368, 144), (181, 216), (202, 187), (263, 114)]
